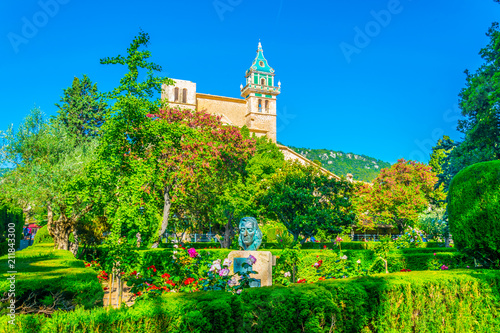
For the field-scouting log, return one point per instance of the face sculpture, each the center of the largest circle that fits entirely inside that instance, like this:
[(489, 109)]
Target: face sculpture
[(250, 234)]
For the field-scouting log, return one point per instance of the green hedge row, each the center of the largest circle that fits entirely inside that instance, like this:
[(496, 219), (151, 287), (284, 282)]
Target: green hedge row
[(305, 246), (198, 245), (401, 259), (459, 301)]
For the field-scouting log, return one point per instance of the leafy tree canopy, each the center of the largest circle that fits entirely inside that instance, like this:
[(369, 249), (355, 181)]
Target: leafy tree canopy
[(398, 195), (305, 200)]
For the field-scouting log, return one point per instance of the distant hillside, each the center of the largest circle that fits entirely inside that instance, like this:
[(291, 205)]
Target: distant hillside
[(362, 167)]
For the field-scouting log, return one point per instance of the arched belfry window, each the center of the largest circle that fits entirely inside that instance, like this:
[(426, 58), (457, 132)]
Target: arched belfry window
[(260, 105), (263, 81), (184, 95), (176, 94), (267, 106)]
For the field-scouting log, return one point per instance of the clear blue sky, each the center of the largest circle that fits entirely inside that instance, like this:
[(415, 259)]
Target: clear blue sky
[(387, 92)]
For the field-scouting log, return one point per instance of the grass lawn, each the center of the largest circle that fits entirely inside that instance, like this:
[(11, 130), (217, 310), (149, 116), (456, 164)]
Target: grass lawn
[(40, 267)]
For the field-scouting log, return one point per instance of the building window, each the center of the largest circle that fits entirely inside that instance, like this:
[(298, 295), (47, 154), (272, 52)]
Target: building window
[(267, 106), (261, 63), (176, 94), (184, 95), (263, 81), (260, 105)]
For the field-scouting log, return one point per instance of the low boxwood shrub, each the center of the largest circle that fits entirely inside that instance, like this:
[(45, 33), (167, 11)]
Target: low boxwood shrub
[(197, 245), (458, 301), (474, 211), (42, 236)]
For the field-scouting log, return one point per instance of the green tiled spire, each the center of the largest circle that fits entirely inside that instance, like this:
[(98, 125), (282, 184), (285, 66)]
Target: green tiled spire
[(260, 63)]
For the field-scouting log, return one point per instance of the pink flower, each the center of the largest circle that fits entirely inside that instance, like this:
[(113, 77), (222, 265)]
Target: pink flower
[(251, 260), (192, 252), (224, 272)]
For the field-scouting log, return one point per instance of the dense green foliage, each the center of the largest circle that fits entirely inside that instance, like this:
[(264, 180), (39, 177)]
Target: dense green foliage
[(362, 167), (461, 301), (481, 116), (10, 217), (306, 201), (398, 196), (43, 236), (49, 173), (46, 272), (83, 109), (474, 211)]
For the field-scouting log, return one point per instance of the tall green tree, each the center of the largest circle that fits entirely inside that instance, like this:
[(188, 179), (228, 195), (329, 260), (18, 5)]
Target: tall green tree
[(153, 157), (83, 109), (49, 168), (305, 200), (479, 104), (398, 195), (238, 194)]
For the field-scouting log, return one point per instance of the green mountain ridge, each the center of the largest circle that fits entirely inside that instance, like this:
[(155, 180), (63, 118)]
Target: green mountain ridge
[(362, 167)]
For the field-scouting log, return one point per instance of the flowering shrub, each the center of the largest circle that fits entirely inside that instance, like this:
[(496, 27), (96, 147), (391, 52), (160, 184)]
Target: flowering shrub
[(190, 271), (184, 274), (335, 266), (93, 264), (286, 265), (412, 238), (436, 265)]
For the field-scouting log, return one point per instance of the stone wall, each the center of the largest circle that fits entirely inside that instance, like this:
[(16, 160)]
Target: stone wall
[(168, 92), (232, 109)]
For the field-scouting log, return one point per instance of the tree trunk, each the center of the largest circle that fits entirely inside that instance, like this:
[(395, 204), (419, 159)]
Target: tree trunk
[(61, 235), (61, 228), (58, 229), (73, 246), (228, 234), (166, 212)]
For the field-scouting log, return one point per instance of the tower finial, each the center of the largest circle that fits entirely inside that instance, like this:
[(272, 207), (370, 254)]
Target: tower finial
[(260, 46)]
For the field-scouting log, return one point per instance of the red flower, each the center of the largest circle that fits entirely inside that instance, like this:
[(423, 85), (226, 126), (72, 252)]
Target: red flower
[(301, 281), (322, 278), (188, 281), (166, 276), (324, 246)]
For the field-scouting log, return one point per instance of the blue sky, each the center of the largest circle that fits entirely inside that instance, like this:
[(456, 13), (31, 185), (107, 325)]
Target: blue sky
[(379, 78)]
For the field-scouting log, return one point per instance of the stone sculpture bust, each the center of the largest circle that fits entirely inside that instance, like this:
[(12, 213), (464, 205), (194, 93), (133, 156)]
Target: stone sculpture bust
[(250, 235)]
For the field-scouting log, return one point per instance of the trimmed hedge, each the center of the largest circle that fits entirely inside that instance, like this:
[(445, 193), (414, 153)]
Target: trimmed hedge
[(42, 236), (359, 245), (43, 270), (413, 259), (474, 211), (198, 245), (458, 301)]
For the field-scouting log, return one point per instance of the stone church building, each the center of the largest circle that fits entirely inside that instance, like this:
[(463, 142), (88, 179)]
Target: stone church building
[(256, 110)]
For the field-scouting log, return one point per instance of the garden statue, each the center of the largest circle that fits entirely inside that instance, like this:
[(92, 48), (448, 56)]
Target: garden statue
[(250, 235)]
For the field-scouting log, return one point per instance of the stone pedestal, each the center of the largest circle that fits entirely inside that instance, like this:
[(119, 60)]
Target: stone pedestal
[(263, 266)]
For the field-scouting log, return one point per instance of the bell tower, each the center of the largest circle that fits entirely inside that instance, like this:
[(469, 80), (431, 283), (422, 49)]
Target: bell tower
[(260, 95)]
